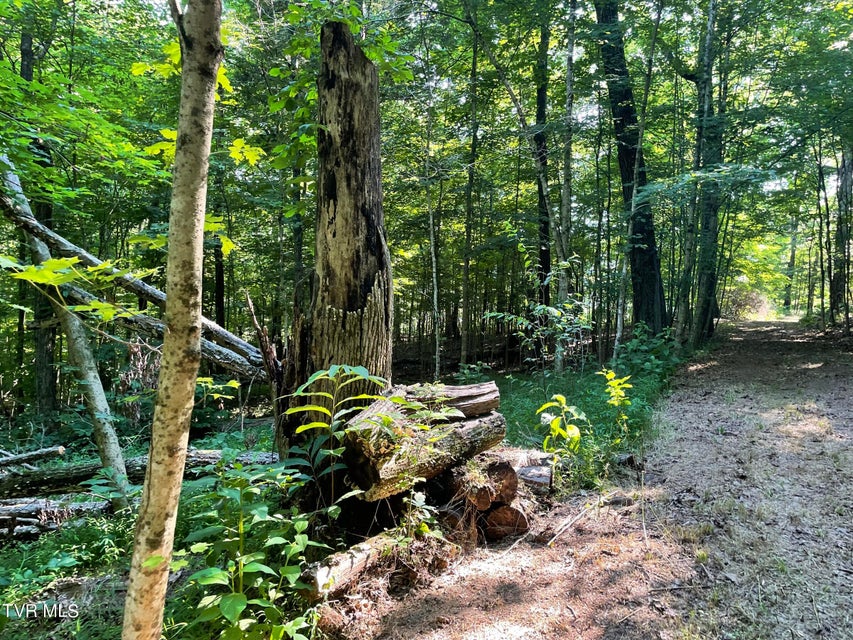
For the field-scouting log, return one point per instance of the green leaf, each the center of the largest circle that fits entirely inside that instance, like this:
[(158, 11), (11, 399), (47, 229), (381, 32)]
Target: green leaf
[(232, 605), (547, 405), (257, 567), (139, 68), (153, 562), (308, 407), (311, 425), (211, 575)]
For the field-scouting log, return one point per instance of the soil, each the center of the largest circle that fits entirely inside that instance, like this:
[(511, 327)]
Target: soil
[(738, 528)]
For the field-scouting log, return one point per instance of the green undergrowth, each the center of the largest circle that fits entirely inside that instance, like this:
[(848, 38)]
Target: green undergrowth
[(595, 413)]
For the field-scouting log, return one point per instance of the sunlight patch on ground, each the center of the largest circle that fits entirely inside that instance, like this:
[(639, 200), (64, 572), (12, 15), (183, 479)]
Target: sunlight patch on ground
[(811, 365), (699, 366), (504, 630)]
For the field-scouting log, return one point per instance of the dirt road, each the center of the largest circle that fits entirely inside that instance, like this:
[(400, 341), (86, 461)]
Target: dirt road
[(742, 529)]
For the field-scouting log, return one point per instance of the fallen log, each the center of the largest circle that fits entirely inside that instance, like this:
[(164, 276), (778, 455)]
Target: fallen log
[(339, 571), (504, 521), (154, 328), (471, 399), (30, 517), (63, 247), (30, 456), (69, 479), (384, 453)]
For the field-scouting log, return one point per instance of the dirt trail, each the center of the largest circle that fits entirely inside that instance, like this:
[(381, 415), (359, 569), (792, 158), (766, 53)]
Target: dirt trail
[(743, 530)]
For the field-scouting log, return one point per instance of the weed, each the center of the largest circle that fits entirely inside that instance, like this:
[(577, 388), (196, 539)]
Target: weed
[(253, 552)]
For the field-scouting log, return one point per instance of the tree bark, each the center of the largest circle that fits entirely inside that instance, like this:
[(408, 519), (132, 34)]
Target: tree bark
[(201, 52), (351, 315), (649, 305)]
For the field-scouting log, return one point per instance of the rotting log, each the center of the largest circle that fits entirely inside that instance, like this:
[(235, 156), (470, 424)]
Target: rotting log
[(337, 573), (69, 479), (30, 456), (384, 456), (503, 521), (31, 517), (485, 483), (470, 399)]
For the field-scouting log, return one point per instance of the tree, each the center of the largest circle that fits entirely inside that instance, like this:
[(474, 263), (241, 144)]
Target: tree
[(201, 51), (13, 202), (350, 320), (649, 304)]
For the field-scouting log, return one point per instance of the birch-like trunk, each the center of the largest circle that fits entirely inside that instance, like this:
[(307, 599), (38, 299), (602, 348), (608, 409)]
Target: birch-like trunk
[(14, 202), (201, 51)]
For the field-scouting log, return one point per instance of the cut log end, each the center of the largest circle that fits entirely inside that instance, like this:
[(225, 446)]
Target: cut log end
[(505, 521)]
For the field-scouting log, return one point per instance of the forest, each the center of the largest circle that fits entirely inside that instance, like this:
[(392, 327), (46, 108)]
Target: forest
[(325, 260)]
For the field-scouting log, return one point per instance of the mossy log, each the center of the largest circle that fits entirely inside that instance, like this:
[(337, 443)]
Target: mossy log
[(339, 571), (386, 456)]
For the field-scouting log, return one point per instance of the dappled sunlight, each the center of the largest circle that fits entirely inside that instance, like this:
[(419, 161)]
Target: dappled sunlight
[(702, 366)]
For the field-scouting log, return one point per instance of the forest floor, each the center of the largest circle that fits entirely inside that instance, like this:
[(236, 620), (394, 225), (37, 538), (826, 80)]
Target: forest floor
[(741, 527)]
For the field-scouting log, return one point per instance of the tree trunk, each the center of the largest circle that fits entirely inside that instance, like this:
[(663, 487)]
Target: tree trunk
[(710, 137), (563, 231), (12, 199), (43, 316), (201, 51), (838, 287), (648, 296), (540, 144), (465, 337), (790, 270), (351, 315)]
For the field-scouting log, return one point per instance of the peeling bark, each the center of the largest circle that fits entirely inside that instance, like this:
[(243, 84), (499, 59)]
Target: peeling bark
[(351, 315)]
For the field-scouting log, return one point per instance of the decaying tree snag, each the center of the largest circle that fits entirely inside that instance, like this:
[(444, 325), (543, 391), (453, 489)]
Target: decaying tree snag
[(30, 456), (69, 479), (351, 314), (337, 573)]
